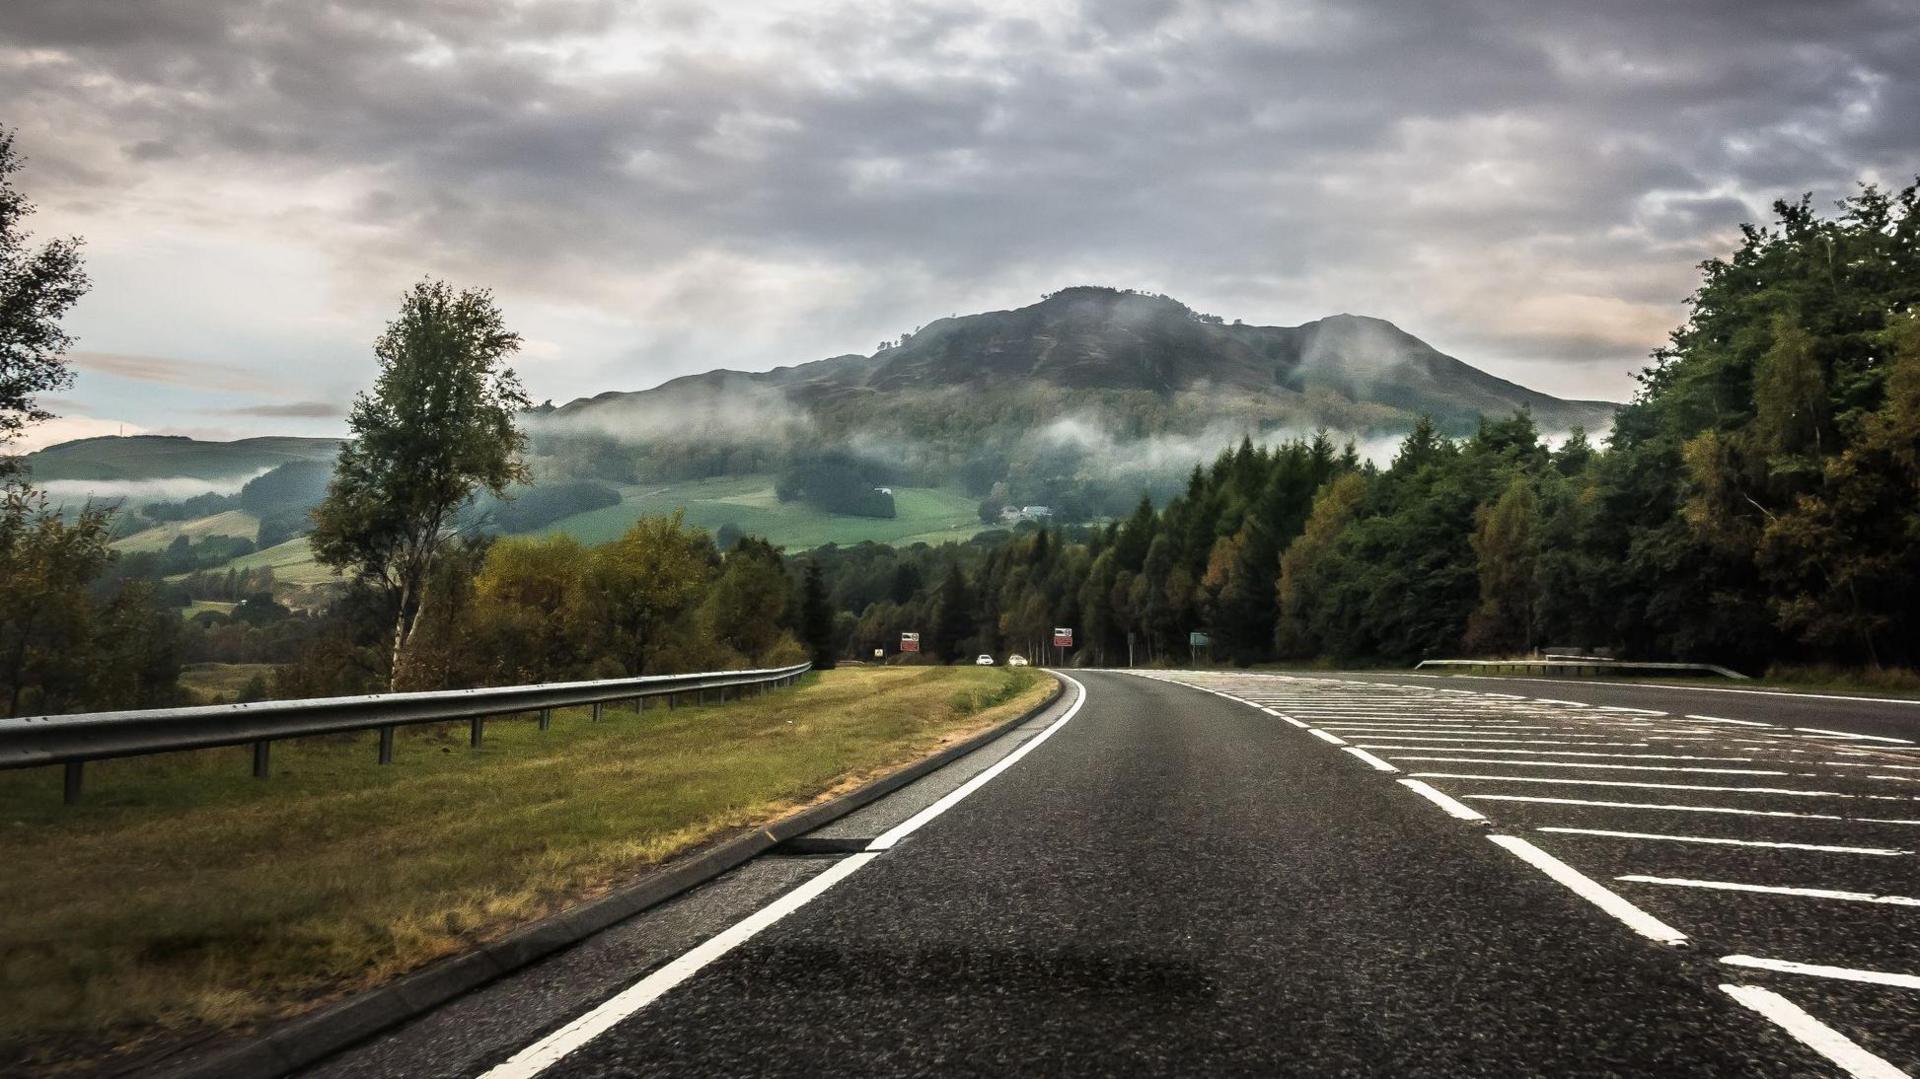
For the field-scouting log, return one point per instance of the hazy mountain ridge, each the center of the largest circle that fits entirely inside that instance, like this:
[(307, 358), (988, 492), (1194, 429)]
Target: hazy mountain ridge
[(1101, 343)]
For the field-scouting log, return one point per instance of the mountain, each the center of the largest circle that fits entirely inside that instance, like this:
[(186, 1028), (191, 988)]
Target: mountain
[(112, 459), (1100, 345)]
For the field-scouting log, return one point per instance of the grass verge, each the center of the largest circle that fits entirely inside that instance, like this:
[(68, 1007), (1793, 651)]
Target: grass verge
[(183, 897)]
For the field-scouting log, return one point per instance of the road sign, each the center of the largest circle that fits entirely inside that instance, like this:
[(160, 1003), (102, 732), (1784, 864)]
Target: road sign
[(1062, 637), (879, 653), (1198, 639), (909, 642)]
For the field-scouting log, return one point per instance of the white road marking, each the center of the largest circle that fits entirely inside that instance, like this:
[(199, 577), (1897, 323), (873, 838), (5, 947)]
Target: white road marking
[(1376, 763), (1669, 808), (1572, 753), (1886, 851), (1736, 722), (1584, 764), (1670, 688), (1846, 1054), (1655, 786), (914, 823), (1521, 741), (1856, 737), (542, 1054), (1592, 891), (1325, 737), (546, 1052), (1774, 889), (1550, 700), (1845, 974), (1634, 711), (1431, 794)]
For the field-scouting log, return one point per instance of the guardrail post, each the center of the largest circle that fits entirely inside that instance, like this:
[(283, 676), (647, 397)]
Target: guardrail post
[(386, 745), (262, 759), (70, 786), (596, 711), (546, 719), (476, 730), (669, 702)]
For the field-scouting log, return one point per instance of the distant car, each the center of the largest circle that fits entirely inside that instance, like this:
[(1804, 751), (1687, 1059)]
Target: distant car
[(984, 661), (1016, 660)]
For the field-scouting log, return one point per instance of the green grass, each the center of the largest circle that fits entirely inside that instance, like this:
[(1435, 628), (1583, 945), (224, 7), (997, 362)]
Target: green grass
[(237, 523), (925, 514), (292, 562), (183, 897), (214, 683)]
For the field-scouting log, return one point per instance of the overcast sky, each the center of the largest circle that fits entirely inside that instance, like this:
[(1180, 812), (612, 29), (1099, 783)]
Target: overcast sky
[(656, 188)]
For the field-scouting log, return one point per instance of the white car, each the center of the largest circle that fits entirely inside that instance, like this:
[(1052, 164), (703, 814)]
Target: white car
[(983, 661), (1016, 660)]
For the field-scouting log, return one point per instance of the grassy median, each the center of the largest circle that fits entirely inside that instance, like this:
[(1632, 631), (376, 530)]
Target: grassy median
[(184, 897)]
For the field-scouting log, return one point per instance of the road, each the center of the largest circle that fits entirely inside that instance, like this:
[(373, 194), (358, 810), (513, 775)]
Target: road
[(1218, 873)]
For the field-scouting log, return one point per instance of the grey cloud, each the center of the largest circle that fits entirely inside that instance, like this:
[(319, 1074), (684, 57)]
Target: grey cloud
[(1265, 160), (306, 410)]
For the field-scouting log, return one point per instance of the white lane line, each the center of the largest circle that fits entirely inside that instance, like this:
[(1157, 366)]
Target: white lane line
[(1592, 891), (1856, 737), (1774, 889), (1846, 1054), (914, 823), (1656, 786), (1518, 741), (1572, 753), (542, 1054), (1453, 809), (1584, 764), (1845, 974), (1325, 737), (1884, 851), (1736, 722), (1633, 711), (546, 1052), (1374, 762), (1668, 808), (1671, 688), (1550, 700)]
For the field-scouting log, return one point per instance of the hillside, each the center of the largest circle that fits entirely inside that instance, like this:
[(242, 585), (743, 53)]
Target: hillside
[(112, 458)]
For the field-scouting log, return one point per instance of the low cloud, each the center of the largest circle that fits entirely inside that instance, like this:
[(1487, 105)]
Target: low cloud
[(727, 407), (306, 410), (169, 371), (157, 489)]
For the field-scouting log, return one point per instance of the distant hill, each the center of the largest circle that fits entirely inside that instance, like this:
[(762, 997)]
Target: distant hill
[(161, 457), (1083, 398)]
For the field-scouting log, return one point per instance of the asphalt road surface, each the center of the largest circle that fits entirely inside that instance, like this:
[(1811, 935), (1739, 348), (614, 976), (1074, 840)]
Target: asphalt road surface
[(1216, 873)]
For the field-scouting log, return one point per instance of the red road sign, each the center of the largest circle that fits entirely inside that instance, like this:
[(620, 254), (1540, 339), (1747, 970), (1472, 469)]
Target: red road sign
[(1062, 637), (909, 642)]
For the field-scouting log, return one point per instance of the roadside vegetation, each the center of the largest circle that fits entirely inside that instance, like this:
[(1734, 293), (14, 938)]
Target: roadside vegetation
[(191, 897)]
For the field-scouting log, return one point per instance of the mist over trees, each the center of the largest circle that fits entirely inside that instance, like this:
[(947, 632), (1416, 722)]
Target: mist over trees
[(1758, 502)]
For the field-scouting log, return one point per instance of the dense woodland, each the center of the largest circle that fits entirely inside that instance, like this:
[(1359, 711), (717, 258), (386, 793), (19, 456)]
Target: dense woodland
[(1758, 502)]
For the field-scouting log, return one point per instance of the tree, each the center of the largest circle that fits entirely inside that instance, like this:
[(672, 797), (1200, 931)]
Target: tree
[(37, 287), (46, 565), (437, 428), (816, 617), (642, 587), (747, 603), (1507, 550)]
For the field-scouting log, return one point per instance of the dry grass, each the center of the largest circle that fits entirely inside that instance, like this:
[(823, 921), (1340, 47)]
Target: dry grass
[(184, 896)]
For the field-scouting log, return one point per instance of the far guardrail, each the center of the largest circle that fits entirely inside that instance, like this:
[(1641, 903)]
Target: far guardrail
[(73, 740), (1582, 666)]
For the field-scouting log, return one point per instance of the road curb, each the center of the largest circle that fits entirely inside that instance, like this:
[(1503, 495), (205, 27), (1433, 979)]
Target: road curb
[(310, 1038)]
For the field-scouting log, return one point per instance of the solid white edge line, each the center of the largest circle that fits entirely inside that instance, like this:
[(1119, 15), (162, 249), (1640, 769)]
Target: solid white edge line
[(548, 1051), (1816, 970), (1773, 889), (541, 1055), (1332, 740), (1374, 762), (1453, 809), (1856, 737), (1736, 722), (1843, 1051), (1888, 852), (1592, 891), (914, 823)]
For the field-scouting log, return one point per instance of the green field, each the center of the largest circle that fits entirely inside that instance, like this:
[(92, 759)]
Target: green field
[(926, 514), (237, 523), (181, 898)]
